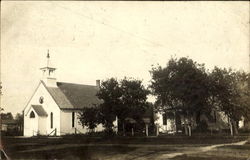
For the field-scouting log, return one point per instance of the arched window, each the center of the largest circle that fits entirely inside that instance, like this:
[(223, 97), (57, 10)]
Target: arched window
[(32, 114), (51, 120)]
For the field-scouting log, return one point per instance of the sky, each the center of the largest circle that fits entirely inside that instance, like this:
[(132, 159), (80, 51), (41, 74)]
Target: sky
[(98, 40)]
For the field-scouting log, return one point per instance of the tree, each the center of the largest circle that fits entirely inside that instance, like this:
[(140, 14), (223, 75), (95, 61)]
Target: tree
[(19, 120), (90, 117), (231, 94), (124, 99), (110, 93), (134, 98), (181, 86), (8, 116)]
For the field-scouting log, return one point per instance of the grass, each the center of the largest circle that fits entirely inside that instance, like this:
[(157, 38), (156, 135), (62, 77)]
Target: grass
[(91, 152), (95, 148)]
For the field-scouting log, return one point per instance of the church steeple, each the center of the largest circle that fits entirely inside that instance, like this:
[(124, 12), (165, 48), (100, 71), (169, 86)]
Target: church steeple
[(49, 73)]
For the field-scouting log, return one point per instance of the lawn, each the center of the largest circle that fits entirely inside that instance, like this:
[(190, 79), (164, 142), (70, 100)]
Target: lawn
[(125, 148)]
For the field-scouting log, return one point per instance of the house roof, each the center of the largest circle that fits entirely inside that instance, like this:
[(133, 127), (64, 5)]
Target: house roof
[(39, 110), (74, 96)]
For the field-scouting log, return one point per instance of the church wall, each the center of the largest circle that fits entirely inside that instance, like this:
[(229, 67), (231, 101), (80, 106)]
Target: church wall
[(30, 124), (42, 125), (66, 123), (49, 106)]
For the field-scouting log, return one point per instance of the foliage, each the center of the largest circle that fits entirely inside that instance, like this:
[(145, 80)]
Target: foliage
[(110, 93), (134, 98), (90, 117), (19, 118), (181, 86), (202, 126), (6, 116), (231, 93), (123, 99)]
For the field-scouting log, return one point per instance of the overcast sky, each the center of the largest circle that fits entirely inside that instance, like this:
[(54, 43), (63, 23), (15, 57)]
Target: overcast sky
[(99, 40)]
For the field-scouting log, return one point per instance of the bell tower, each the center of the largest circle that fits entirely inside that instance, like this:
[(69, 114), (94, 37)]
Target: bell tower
[(48, 73)]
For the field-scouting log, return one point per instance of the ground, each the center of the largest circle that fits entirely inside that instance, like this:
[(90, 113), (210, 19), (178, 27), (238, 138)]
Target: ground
[(129, 148)]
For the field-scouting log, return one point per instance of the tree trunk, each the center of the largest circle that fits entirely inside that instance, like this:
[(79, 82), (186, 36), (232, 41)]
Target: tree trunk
[(233, 127), (157, 130), (186, 129), (189, 130), (123, 128)]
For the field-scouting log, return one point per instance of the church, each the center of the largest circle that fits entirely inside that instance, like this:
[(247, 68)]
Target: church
[(54, 107)]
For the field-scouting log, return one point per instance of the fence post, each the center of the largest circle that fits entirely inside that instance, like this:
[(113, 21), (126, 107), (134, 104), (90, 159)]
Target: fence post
[(55, 132), (147, 130)]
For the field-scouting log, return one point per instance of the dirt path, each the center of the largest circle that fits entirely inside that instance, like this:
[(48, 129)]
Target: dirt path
[(200, 149)]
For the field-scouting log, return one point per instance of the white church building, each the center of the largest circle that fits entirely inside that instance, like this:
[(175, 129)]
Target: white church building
[(54, 107)]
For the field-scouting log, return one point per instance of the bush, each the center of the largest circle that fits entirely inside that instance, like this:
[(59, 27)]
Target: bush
[(202, 127)]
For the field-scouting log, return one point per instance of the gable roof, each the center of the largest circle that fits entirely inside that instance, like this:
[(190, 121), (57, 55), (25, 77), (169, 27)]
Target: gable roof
[(74, 96), (60, 99), (39, 110)]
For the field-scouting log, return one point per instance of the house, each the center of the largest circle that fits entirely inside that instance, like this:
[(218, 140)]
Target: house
[(172, 122), (9, 126), (54, 107)]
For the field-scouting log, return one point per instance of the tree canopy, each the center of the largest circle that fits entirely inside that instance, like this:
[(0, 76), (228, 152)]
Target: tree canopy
[(123, 99), (181, 85), (89, 117), (186, 86), (231, 94)]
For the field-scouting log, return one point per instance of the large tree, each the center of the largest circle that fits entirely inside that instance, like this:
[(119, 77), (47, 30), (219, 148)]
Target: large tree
[(181, 86), (231, 95), (134, 100), (123, 99), (110, 93)]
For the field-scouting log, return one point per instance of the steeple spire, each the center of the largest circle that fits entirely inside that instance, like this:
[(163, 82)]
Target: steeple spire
[(48, 59), (48, 54), (49, 73)]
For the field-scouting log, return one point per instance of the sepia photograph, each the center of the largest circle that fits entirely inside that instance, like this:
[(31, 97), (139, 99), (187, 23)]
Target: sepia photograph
[(125, 80)]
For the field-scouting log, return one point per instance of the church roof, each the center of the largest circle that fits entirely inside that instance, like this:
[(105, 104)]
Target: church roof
[(39, 110), (74, 96)]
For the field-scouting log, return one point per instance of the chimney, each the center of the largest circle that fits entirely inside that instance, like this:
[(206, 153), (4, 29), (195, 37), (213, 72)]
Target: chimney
[(98, 83)]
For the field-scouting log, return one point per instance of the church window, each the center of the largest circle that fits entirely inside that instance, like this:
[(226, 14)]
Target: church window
[(41, 100), (73, 119), (51, 120), (32, 114)]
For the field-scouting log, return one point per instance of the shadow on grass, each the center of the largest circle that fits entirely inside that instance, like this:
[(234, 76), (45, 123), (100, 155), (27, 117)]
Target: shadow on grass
[(74, 153), (185, 157)]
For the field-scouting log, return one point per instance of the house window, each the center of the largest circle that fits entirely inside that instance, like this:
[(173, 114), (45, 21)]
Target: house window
[(32, 114), (73, 119), (164, 118), (51, 120)]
